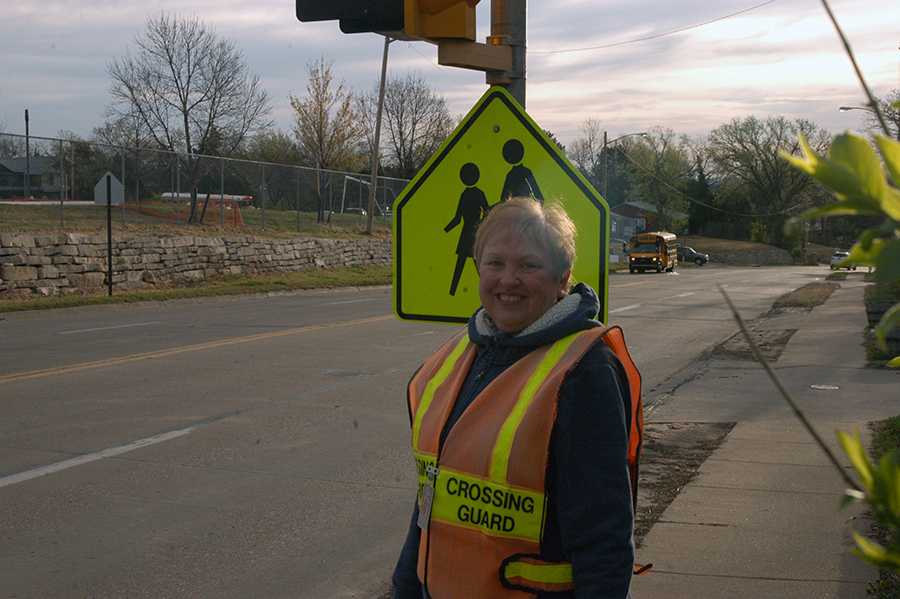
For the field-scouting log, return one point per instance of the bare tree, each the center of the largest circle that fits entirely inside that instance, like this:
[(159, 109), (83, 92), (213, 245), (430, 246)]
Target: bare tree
[(748, 151), (10, 147), (325, 125), (416, 120), (890, 109), (191, 89), (587, 151), (125, 130)]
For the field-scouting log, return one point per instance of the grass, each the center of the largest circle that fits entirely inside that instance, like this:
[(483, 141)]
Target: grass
[(231, 285), (821, 253), (879, 298), (713, 245), (838, 275), (817, 254), (807, 297), (167, 219), (883, 293), (876, 357), (885, 438)]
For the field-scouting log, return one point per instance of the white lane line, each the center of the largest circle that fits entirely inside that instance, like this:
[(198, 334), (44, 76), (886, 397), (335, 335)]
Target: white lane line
[(109, 328), (356, 301), (627, 285), (688, 294), (21, 477), (625, 308)]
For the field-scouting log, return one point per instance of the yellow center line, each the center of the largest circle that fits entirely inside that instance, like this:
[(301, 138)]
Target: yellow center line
[(165, 353)]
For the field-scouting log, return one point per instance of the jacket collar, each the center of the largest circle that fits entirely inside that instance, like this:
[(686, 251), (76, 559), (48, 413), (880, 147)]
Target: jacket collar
[(575, 312)]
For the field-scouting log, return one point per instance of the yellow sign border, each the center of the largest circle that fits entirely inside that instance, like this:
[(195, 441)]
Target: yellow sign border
[(500, 94)]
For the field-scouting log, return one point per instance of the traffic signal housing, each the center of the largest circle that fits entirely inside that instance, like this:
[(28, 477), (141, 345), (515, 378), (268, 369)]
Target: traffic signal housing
[(429, 20)]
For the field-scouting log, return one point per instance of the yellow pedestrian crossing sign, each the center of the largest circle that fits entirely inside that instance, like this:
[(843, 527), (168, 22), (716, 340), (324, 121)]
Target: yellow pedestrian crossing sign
[(496, 152)]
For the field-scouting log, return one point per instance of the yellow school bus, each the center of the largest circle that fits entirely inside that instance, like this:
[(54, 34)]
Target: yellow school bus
[(652, 251)]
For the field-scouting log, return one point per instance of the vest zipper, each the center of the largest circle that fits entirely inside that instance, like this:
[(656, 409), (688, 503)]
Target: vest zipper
[(434, 469)]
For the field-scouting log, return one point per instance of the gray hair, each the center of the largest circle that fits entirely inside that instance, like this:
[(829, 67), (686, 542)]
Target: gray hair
[(548, 226)]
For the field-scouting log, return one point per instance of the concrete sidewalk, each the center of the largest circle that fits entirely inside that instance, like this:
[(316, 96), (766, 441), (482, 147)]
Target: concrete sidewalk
[(761, 518)]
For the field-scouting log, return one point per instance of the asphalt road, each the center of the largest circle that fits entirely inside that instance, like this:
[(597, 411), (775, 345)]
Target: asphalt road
[(255, 446)]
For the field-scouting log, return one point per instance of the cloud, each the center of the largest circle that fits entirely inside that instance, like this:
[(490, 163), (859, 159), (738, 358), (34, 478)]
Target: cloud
[(783, 58)]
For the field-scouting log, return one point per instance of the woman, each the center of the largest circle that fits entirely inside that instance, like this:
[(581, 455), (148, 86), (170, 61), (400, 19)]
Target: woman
[(526, 429)]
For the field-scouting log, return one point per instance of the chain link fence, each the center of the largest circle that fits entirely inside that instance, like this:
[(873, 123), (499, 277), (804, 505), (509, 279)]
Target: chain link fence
[(49, 182)]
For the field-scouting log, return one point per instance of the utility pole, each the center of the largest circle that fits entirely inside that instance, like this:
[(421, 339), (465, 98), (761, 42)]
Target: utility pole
[(376, 147), (605, 159)]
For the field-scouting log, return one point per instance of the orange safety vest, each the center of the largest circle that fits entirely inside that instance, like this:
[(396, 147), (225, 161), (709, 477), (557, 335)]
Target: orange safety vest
[(482, 501)]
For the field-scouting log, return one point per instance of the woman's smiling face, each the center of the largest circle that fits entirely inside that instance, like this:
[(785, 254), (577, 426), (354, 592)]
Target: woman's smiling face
[(517, 284)]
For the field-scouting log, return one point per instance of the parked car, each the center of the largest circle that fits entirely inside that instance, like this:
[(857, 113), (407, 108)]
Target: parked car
[(360, 211), (837, 259), (688, 254)]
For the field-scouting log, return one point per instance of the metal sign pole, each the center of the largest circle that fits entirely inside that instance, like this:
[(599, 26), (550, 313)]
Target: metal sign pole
[(109, 259), (27, 186), (222, 192), (62, 184), (124, 186)]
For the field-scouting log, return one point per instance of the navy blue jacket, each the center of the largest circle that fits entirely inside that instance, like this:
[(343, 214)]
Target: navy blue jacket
[(590, 518)]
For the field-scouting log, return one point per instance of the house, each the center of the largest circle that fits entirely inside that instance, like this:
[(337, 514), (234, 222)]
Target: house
[(648, 215), (44, 177), (625, 227), (621, 229)]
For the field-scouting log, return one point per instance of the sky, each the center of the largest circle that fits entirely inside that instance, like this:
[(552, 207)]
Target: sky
[(781, 58)]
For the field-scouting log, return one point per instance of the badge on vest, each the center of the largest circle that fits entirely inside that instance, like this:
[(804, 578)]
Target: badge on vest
[(427, 497)]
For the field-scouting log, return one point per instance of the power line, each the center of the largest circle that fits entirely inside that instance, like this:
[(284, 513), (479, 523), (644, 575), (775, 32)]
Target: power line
[(416, 50), (655, 35), (704, 204)]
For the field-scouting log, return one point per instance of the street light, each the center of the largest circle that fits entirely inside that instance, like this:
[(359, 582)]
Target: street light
[(605, 144), (867, 109)]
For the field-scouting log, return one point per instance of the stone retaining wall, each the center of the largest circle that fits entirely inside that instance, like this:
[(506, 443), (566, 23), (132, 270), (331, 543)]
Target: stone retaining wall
[(76, 263)]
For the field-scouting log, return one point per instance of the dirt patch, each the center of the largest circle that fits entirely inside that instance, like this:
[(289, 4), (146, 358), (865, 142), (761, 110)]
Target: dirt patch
[(671, 456), (770, 342), (807, 297)]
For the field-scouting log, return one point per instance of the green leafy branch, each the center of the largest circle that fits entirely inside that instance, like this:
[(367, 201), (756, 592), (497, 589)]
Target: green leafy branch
[(866, 186), (881, 490), (861, 186), (854, 174)]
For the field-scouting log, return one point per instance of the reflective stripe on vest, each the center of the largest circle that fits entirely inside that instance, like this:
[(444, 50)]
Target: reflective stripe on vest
[(489, 497), (436, 381), (503, 445), (530, 573)]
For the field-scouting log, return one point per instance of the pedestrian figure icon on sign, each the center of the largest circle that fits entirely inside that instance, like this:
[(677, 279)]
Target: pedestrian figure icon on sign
[(496, 152), (471, 210), (520, 181)]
